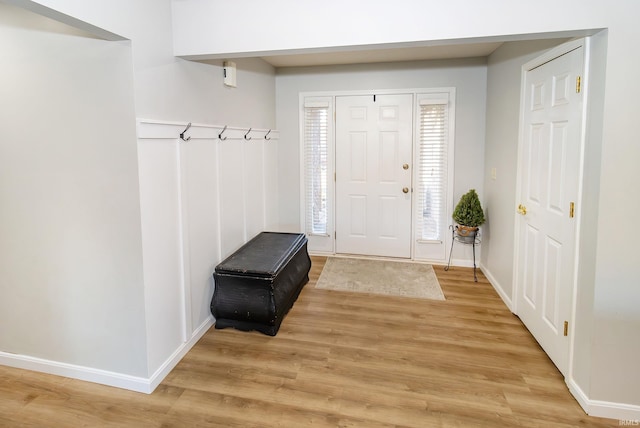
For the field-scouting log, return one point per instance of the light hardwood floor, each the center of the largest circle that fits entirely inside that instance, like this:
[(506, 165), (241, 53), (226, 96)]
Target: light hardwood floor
[(339, 360)]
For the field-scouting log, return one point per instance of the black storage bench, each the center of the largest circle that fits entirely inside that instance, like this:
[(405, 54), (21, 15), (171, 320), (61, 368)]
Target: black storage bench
[(257, 285)]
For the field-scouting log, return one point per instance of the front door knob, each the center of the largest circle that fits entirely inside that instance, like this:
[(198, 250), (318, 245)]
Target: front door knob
[(405, 166), (405, 190)]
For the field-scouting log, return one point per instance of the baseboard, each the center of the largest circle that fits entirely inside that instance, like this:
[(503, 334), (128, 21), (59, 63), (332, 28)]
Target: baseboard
[(174, 359), (321, 253), (627, 414), (462, 263), (105, 377), (496, 286)]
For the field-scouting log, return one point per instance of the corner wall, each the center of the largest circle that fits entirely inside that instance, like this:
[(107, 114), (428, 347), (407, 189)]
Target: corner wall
[(71, 281), (602, 330), (174, 286)]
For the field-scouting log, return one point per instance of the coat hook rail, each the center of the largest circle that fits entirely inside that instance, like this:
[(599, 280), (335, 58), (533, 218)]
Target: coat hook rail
[(183, 132), (266, 136), (222, 132), (246, 137)]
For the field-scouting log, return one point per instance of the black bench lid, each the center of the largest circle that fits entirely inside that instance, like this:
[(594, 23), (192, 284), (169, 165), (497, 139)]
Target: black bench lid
[(264, 255)]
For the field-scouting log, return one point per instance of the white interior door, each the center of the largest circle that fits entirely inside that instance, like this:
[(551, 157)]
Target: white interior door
[(373, 175), (549, 178)]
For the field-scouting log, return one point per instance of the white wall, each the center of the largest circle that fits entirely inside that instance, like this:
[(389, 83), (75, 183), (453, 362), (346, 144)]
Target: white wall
[(501, 153), (179, 246), (293, 26), (615, 316), (588, 245), (468, 76), (71, 284)]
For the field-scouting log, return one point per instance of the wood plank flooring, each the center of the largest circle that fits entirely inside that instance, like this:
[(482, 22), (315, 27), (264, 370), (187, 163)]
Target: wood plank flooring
[(339, 360)]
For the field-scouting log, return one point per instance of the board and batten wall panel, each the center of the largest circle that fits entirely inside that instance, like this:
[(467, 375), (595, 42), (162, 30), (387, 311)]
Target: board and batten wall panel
[(254, 179), (201, 200), (201, 196), (159, 194), (232, 206)]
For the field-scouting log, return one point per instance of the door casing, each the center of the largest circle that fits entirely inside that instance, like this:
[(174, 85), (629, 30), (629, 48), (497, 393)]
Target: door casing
[(431, 252), (544, 58)]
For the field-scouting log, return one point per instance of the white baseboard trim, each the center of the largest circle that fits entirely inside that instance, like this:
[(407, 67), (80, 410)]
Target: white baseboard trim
[(492, 280), (174, 359), (604, 409), (105, 377), (461, 263), (321, 253), (89, 374)]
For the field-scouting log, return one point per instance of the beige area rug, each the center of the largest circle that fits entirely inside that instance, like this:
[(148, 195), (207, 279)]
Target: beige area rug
[(380, 277)]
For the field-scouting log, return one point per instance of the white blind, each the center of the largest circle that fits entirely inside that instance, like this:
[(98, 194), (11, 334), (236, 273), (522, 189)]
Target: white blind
[(432, 170), (316, 139)]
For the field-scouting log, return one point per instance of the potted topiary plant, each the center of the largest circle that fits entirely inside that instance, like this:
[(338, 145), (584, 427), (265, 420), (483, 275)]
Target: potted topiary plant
[(468, 214)]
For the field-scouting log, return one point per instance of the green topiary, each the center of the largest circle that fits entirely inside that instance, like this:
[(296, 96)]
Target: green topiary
[(469, 212)]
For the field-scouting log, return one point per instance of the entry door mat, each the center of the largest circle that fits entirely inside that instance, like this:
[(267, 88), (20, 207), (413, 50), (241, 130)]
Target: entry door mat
[(389, 278)]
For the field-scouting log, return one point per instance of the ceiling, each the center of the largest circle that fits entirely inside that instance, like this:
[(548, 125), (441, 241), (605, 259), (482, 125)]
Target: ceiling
[(376, 54)]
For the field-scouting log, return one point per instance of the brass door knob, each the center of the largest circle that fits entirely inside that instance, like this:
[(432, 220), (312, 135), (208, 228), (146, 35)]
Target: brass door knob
[(522, 209), (405, 190), (405, 166)]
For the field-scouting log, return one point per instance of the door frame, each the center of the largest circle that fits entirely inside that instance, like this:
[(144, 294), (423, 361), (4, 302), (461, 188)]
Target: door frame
[(326, 243), (537, 62)]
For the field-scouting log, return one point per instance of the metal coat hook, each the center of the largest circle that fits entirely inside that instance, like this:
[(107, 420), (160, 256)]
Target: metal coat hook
[(267, 135), (222, 132), (245, 135), (185, 130)]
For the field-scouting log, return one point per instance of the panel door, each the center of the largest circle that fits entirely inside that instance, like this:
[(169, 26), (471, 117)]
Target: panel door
[(373, 175), (549, 185)]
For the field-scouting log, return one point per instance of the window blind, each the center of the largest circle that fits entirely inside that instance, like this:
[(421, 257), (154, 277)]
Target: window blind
[(316, 139), (432, 170)]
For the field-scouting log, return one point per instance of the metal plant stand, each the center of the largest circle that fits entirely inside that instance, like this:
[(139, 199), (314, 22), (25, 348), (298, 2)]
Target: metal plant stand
[(472, 239)]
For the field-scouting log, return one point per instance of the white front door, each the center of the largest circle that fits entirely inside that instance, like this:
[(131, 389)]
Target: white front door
[(549, 178), (373, 174)]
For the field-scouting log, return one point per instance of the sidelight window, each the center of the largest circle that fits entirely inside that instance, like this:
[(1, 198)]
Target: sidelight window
[(316, 131), (433, 172)]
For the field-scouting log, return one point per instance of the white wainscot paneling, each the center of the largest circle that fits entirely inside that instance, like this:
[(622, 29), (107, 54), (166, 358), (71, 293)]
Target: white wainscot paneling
[(200, 215), (232, 209), (271, 186), (202, 197), (162, 247), (254, 188)]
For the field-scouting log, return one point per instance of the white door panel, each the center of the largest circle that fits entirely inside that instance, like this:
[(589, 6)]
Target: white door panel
[(373, 142), (549, 184)]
